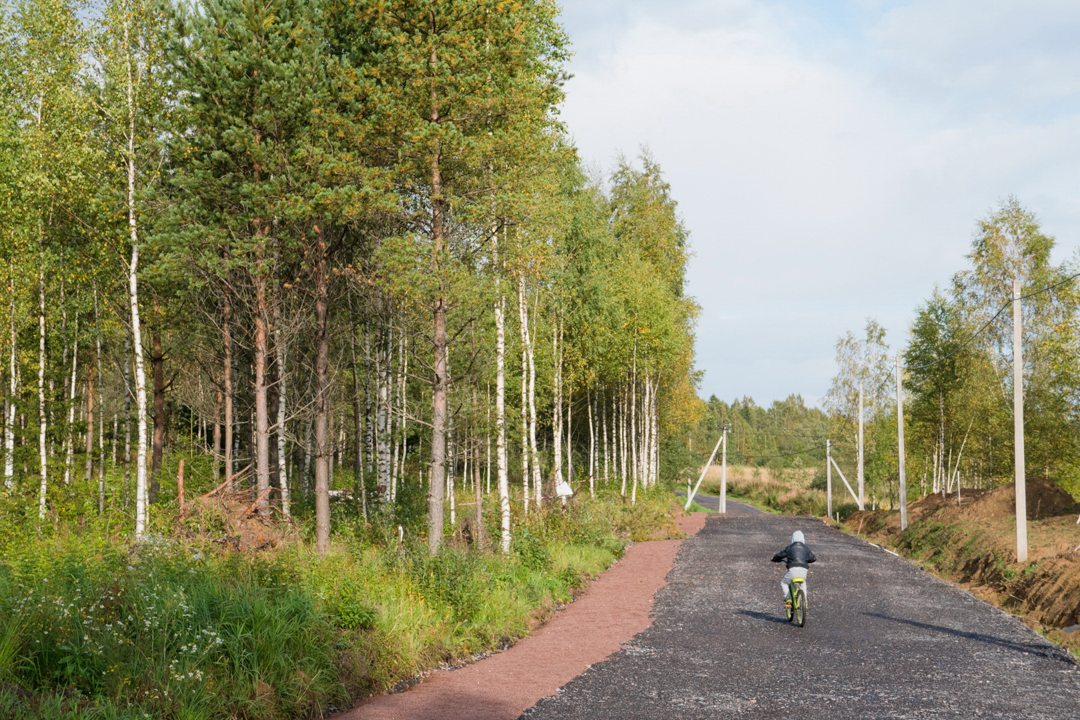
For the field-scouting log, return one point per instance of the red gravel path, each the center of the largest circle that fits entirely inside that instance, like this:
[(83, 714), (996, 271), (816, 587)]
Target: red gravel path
[(502, 686)]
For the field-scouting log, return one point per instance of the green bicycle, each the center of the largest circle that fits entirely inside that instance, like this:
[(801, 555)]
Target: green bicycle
[(795, 605)]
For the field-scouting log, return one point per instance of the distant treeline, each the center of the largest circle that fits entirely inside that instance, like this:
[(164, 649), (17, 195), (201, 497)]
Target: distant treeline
[(787, 434)]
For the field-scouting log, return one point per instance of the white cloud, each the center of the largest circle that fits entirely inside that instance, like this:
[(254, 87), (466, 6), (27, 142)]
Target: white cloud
[(995, 56), (824, 186)]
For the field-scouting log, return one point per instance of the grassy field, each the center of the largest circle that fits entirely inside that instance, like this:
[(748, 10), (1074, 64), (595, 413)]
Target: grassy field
[(782, 490)]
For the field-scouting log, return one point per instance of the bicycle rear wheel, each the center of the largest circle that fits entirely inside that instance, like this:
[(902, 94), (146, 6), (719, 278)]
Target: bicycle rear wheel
[(798, 606)]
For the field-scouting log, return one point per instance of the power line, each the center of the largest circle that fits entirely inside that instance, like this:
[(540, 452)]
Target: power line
[(1050, 287), (966, 342), (987, 324)]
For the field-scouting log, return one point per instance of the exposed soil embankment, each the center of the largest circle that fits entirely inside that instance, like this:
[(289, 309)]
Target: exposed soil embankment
[(971, 541)]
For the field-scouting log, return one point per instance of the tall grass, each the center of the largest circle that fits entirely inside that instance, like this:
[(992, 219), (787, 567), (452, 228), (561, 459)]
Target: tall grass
[(785, 490), (178, 627)]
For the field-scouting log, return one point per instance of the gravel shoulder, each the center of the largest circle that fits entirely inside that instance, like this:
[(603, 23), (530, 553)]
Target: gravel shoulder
[(883, 639), (613, 609)]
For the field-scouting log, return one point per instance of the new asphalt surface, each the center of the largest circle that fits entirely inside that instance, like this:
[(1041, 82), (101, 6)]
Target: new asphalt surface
[(883, 640)]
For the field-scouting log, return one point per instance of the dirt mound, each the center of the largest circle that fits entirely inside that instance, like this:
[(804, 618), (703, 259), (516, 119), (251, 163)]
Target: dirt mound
[(1044, 499)]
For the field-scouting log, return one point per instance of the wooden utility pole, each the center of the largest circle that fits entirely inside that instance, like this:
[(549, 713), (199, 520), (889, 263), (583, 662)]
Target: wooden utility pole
[(723, 472), (862, 495), (900, 436), (828, 476), (1018, 428)]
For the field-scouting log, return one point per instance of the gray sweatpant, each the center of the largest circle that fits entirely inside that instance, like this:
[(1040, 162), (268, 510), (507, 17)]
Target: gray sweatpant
[(795, 572)]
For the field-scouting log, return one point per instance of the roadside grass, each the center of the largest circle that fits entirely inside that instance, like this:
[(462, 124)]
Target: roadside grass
[(179, 627)]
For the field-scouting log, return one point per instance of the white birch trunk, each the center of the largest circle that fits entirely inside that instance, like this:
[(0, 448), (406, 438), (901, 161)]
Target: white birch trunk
[(633, 427), (643, 433), (569, 433), (13, 388), (384, 428), (101, 411), (128, 393), (394, 439), (309, 447), (534, 447), (397, 418), (523, 325), (655, 434), (622, 437), (592, 446), (502, 474), (607, 438), (43, 426), (70, 441), (557, 429), (404, 422), (646, 432), (358, 466), (934, 476), (140, 375), (452, 498), (948, 474), (369, 420), (133, 299), (280, 355), (487, 443), (451, 451)]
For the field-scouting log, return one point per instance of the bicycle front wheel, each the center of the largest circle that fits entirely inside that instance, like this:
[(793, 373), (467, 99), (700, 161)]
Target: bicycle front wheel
[(798, 607)]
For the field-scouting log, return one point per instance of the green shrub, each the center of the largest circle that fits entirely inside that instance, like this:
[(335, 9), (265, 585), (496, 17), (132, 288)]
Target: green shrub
[(530, 549), (453, 578)]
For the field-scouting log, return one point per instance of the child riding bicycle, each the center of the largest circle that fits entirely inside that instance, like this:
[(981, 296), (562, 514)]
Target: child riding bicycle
[(798, 557)]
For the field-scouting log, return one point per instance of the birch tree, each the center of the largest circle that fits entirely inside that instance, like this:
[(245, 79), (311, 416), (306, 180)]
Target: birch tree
[(129, 55)]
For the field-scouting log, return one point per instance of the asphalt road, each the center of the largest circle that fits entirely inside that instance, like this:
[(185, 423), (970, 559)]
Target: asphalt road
[(712, 502), (883, 640)]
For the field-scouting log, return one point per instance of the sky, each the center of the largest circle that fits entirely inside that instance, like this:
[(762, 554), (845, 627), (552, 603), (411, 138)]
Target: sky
[(830, 158)]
